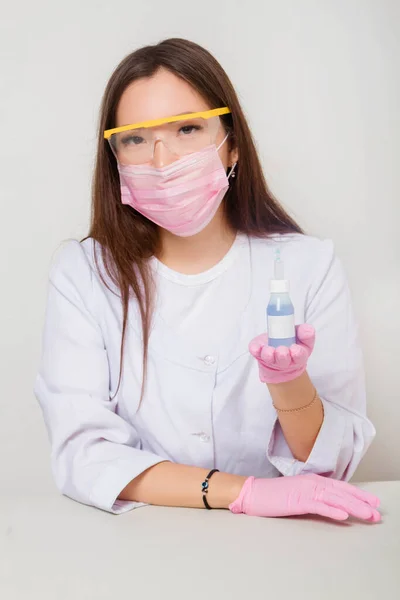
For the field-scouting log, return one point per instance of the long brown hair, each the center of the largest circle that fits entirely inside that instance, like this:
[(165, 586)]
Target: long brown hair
[(127, 239)]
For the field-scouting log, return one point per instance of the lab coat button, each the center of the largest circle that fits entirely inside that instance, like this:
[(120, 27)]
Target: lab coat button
[(209, 360), (203, 437)]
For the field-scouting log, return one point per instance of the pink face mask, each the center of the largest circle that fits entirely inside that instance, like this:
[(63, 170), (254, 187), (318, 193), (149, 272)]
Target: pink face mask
[(182, 197)]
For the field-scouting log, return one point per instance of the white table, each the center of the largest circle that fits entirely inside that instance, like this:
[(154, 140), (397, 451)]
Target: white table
[(54, 549)]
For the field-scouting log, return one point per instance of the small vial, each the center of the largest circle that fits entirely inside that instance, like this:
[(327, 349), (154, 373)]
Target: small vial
[(280, 310)]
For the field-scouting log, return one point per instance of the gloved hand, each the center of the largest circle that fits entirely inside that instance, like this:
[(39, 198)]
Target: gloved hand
[(305, 494), (277, 365)]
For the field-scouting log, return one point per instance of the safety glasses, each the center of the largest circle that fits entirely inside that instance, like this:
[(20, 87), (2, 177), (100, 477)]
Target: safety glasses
[(181, 134)]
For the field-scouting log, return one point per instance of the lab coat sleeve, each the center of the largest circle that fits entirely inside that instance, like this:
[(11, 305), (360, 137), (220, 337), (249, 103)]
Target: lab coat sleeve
[(336, 370), (95, 453)]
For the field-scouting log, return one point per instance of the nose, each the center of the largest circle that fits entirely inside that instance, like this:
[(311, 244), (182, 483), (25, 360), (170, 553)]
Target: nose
[(162, 156)]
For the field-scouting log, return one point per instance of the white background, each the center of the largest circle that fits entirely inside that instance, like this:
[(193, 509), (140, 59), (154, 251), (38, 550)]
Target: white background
[(320, 83)]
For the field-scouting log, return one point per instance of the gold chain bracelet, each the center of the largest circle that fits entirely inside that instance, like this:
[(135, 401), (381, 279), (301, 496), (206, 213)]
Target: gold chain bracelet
[(300, 408)]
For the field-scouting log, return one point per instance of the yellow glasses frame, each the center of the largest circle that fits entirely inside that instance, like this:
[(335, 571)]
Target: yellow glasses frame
[(205, 114)]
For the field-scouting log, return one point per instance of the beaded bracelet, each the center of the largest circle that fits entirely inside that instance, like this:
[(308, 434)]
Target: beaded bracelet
[(205, 487)]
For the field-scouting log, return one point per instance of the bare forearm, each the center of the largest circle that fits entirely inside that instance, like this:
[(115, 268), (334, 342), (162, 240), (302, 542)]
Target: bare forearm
[(169, 484), (299, 428)]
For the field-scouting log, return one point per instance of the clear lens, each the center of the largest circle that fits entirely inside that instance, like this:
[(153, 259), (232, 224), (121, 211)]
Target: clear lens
[(136, 146)]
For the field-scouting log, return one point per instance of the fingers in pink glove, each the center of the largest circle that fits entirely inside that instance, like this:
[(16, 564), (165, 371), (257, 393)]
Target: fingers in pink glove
[(258, 344), (268, 356), (347, 502), (283, 357), (299, 355), (359, 503), (376, 516), (367, 497), (356, 506), (360, 494), (330, 512), (305, 335)]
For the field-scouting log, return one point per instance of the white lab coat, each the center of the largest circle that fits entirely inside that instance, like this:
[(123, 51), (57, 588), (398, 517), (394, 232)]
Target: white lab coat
[(206, 409)]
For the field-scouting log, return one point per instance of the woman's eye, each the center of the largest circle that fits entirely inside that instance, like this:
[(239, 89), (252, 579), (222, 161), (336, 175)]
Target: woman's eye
[(187, 129), (132, 140)]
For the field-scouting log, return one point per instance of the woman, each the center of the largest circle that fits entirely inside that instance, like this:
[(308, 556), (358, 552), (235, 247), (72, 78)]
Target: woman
[(147, 385)]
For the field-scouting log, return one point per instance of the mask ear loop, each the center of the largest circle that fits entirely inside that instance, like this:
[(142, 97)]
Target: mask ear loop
[(232, 171), (223, 141)]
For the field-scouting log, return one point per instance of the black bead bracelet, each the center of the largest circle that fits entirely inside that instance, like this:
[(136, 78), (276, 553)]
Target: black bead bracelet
[(205, 487)]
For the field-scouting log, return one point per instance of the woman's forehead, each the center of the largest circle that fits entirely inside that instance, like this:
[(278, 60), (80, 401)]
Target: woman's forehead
[(162, 95)]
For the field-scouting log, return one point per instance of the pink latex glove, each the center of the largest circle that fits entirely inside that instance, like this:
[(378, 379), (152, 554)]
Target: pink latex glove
[(305, 494), (277, 365)]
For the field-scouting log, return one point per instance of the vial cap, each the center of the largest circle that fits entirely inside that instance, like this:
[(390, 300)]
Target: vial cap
[(279, 286)]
